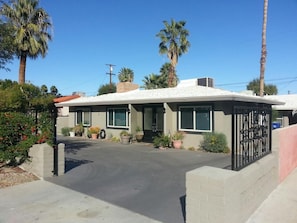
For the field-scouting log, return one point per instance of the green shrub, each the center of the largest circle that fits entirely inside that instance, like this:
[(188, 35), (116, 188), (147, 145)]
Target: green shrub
[(114, 139), (17, 135), (214, 142), (162, 140), (192, 148), (78, 129), (65, 131)]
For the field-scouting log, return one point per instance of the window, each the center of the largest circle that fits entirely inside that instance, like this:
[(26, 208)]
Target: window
[(195, 118), (117, 117), (83, 117)]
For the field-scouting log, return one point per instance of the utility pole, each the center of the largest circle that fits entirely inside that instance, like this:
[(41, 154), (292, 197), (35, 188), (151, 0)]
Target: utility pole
[(263, 50), (110, 75)]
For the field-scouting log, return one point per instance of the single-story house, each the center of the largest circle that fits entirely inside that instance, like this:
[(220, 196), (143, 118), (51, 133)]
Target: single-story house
[(188, 107), (287, 112), (63, 111)]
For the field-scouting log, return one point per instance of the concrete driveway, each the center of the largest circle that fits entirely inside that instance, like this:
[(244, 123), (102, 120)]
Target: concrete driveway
[(137, 177)]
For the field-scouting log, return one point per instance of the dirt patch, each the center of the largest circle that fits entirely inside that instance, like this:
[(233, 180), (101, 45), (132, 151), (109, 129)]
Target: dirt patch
[(10, 176)]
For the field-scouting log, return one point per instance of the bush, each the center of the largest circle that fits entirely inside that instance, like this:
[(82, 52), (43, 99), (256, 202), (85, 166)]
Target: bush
[(214, 142), (17, 135), (162, 140), (78, 129), (65, 131)]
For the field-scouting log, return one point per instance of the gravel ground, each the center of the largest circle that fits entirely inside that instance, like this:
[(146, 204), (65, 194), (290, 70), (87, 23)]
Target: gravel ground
[(10, 176)]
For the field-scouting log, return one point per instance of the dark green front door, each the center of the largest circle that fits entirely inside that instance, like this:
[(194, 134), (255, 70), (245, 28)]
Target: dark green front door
[(153, 122)]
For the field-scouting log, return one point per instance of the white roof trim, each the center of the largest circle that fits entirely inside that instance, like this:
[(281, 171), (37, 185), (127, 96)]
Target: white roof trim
[(290, 101)]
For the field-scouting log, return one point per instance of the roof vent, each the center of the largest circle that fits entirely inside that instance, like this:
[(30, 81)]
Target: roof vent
[(206, 82)]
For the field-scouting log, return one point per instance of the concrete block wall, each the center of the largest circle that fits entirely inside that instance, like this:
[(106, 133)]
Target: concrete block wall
[(224, 196), (217, 195), (41, 161), (284, 143), (61, 159)]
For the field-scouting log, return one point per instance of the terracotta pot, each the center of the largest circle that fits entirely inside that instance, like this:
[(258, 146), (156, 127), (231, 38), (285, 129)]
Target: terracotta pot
[(94, 136), (139, 137), (125, 139), (177, 144)]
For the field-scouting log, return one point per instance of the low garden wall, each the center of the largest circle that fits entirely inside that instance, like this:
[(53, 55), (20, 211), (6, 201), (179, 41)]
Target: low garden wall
[(218, 195), (41, 162), (285, 143)]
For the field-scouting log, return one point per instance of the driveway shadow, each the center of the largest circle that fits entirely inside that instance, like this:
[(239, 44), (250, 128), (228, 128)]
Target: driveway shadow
[(72, 145), (73, 163), (182, 201)]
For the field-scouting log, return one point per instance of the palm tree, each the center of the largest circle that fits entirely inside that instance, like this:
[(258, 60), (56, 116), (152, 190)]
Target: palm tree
[(174, 43), (44, 89), (126, 75), (32, 26), (164, 73), (152, 81), (263, 50), (54, 90), (6, 45)]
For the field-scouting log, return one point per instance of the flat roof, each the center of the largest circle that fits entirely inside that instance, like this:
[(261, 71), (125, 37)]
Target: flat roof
[(290, 101), (163, 95)]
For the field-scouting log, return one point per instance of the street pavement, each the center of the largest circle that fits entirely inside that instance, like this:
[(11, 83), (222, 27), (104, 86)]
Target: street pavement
[(108, 182), (105, 180), (44, 202)]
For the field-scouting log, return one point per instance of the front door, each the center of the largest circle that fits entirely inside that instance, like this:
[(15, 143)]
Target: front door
[(153, 122)]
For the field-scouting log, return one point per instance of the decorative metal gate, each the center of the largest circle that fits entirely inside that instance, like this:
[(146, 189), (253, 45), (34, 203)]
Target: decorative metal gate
[(251, 127)]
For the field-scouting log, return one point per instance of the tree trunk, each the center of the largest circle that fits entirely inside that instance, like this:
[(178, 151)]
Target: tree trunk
[(171, 76), (22, 69), (263, 50)]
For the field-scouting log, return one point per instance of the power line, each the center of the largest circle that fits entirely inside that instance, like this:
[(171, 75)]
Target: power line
[(270, 80)]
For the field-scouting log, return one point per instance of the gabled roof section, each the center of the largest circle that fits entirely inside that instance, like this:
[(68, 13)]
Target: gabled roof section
[(176, 94), (290, 101)]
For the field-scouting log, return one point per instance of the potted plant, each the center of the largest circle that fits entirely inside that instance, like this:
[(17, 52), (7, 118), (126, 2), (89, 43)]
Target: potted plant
[(139, 134), (94, 131), (162, 141), (177, 139), (78, 129), (125, 137), (71, 132)]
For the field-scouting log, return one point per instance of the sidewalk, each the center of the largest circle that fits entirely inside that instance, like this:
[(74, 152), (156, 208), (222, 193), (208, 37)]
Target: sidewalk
[(42, 201), (281, 205)]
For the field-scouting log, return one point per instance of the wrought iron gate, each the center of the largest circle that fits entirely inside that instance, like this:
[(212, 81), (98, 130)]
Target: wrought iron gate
[(251, 127)]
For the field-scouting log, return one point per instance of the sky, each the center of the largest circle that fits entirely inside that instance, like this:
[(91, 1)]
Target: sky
[(225, 38)]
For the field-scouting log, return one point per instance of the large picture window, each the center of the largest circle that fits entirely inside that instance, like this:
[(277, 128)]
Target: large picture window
[(195, 118), (83, 117), (117, 117)]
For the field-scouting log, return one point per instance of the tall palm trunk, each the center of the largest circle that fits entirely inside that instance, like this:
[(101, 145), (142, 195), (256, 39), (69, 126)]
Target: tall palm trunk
[(171, 76), (22, 69), (263, 51)]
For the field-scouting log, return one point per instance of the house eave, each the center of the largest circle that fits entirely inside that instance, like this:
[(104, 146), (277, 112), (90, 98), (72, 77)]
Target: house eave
[(232, 97)]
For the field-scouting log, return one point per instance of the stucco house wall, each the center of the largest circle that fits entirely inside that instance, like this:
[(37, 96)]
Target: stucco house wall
[(166, 104), (98, 117)]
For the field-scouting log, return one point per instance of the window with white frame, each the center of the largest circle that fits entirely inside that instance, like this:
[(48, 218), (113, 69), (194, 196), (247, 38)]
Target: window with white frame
[(195, 118), (83, 117), (117, 118)]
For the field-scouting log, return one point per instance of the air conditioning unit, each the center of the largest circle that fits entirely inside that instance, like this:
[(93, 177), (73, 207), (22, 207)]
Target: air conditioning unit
[(206, 82)]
